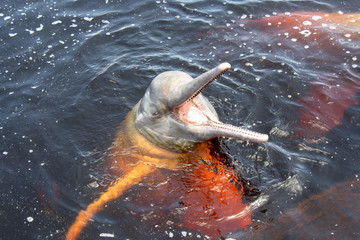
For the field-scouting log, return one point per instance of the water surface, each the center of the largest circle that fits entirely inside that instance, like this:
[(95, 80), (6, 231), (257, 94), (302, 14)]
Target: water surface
[(72, 70)]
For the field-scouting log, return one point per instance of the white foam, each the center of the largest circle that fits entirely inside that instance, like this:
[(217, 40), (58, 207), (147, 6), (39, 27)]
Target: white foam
[(56, 22), (109, 235), (40, 28), (316, 18), (89, 19)]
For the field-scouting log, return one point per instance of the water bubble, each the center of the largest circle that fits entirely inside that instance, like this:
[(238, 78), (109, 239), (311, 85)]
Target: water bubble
[(30, 31), (306, 33), (316, 18), (40, 28), (56, 22), (107, 235), (88, 19)]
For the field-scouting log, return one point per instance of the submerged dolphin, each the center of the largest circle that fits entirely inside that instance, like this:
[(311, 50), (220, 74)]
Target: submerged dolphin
[(164, 130), (334, 212), (333, 36)]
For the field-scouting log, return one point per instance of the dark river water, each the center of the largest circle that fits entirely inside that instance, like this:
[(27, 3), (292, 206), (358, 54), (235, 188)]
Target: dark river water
[(72, 70)]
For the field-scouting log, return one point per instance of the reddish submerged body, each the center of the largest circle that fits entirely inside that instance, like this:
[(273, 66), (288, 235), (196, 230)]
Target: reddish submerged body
[(210, 193), (164, 145), (332, 214), (212, 203), (332, 35)]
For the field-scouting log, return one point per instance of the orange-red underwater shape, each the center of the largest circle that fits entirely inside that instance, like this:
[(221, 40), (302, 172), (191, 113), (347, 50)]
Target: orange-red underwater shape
[(329, 96), (214, 203), (312, 25), (324, 105), (331, 214)]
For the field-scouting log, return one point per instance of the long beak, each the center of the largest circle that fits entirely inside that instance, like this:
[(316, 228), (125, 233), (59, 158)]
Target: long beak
[(186, 92), (215, 128), (219, 129)]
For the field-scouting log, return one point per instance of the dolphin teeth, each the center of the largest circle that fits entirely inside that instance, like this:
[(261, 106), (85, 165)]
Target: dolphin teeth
[(220, 69), (227, 130)]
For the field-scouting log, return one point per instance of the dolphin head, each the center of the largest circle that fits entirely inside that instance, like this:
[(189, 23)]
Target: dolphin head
[(173, 113)]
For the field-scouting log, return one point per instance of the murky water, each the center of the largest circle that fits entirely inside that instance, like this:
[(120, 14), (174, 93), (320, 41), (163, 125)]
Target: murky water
[(72, 70)]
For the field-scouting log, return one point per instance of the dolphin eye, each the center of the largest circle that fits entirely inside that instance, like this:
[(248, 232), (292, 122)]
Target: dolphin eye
[(154, 112)]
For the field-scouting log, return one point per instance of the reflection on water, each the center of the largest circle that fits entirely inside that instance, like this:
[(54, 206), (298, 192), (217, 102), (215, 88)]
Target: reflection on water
[(72, 70)]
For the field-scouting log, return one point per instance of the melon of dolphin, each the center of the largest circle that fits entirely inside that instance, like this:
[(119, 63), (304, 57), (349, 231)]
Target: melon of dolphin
[(167, 129)]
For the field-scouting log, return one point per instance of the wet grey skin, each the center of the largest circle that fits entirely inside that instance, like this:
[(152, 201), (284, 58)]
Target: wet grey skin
[(173, 113)]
